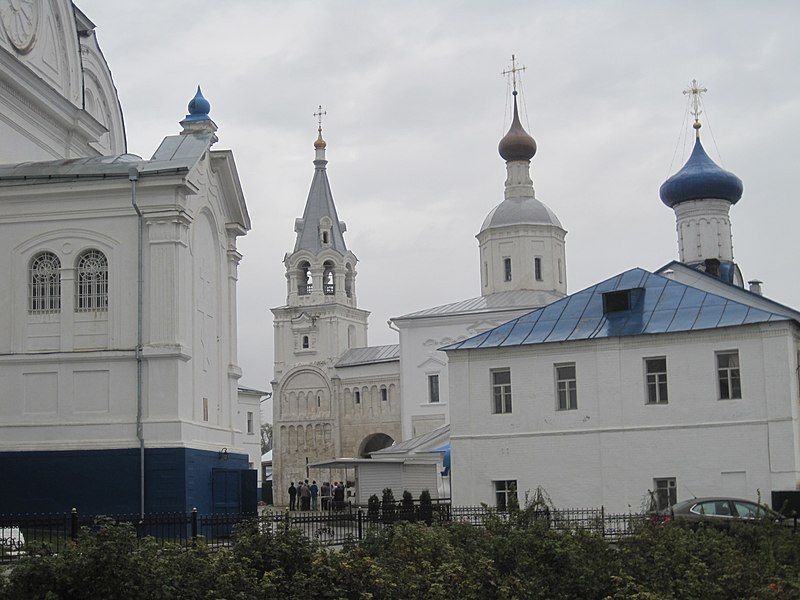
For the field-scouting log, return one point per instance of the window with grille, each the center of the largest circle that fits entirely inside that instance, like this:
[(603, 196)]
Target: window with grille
[(91, 282), (656, 375), (501, 391), (730, 383), (566, 387), (44, 293)]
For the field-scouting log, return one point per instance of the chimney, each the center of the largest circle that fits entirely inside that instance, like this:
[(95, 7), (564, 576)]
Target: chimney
[(755, 286)]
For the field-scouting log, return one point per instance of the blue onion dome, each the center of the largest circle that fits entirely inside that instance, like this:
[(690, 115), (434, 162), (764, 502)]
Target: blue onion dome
[(517, 144), (701, 178), (199, 107)]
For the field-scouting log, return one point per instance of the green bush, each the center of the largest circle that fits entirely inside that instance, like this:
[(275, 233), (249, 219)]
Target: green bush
[(519, 557)]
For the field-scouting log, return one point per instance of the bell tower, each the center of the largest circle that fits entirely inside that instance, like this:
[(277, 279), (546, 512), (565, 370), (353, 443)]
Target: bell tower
[(318, 324)]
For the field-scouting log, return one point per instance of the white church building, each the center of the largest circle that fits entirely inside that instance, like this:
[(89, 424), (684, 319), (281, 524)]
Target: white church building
[(648, 386), (118, 368), (337, 397)]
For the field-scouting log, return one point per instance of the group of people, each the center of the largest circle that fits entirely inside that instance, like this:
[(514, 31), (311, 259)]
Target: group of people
[(304, 495)]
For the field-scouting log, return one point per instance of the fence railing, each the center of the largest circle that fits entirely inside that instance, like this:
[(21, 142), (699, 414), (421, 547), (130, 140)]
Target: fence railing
[(53, 533)]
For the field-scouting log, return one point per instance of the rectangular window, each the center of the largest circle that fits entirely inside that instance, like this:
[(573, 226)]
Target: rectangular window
[(537, 268), (666, 492), (501, 391), (507, 268), (384, 394), (730, 385), (433, 388), (357, 396), (656, 376), (205, 409), (505, 493), (250, 428), (566, 387)]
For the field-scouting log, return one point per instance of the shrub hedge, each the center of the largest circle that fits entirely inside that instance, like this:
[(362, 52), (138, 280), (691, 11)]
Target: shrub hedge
[(519, 558)]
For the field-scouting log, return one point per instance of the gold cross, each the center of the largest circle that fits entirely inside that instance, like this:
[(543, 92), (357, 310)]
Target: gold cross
[(319, 114), (695, 89), (513, 72)]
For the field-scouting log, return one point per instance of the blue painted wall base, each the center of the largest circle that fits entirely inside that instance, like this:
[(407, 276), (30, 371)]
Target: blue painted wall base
[(108, 481)]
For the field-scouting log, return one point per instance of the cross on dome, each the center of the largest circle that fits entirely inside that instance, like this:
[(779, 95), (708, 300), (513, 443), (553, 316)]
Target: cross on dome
[(320, 143), (513, 72), (696, 90)]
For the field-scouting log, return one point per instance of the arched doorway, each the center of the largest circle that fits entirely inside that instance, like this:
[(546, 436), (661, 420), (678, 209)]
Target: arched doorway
[(373, 443)]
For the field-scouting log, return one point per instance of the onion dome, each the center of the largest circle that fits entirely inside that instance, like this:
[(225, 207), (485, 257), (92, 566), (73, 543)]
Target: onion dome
[(319, 143), (701, 178), (199, 107), (517, 144)]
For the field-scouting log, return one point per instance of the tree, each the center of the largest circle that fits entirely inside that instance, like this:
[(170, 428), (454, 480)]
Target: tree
[(266, 437)]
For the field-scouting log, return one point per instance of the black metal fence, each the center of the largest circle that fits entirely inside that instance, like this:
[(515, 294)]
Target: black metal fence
[(55, 532)]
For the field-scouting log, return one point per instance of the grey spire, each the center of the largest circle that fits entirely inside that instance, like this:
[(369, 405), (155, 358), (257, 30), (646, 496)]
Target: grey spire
[(320, 226)]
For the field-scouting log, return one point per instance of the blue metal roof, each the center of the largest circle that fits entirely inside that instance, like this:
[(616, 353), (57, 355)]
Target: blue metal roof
[(701, 178), (656, 305)]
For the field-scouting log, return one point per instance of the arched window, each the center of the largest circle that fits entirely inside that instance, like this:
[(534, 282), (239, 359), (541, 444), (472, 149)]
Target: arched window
[(44, 279), (328, 281), (91, 282), (305, 342), (305, 285), (357, 396)]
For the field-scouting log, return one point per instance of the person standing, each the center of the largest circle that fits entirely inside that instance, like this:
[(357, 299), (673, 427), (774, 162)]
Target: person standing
[(314, 489), (305, 497), (292, 496), (326, 495)]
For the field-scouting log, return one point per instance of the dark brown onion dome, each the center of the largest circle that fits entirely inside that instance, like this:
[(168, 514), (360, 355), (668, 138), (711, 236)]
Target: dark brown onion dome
[(517, 144)]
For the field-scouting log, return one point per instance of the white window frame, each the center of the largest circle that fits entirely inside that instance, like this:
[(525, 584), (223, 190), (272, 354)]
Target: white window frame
[(44, 284), (504, 490), (91, 281), (434, 396), (566, 387), (250, 423), (665, 491), (729, 378), (655, 381), (501, 391)]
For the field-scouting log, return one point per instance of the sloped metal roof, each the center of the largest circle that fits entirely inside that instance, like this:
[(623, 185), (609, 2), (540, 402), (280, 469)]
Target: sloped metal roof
[(369, 355), (658, 305), (318, 206), (499, 301), (427, 442), (176, 153)]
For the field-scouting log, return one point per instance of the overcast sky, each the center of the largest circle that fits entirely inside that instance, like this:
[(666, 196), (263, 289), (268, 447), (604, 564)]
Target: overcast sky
[(416, 106)]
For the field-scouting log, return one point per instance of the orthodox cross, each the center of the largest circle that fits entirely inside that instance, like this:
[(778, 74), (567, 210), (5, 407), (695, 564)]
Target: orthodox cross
[(513, 72), (319, 114), (695, 89)]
